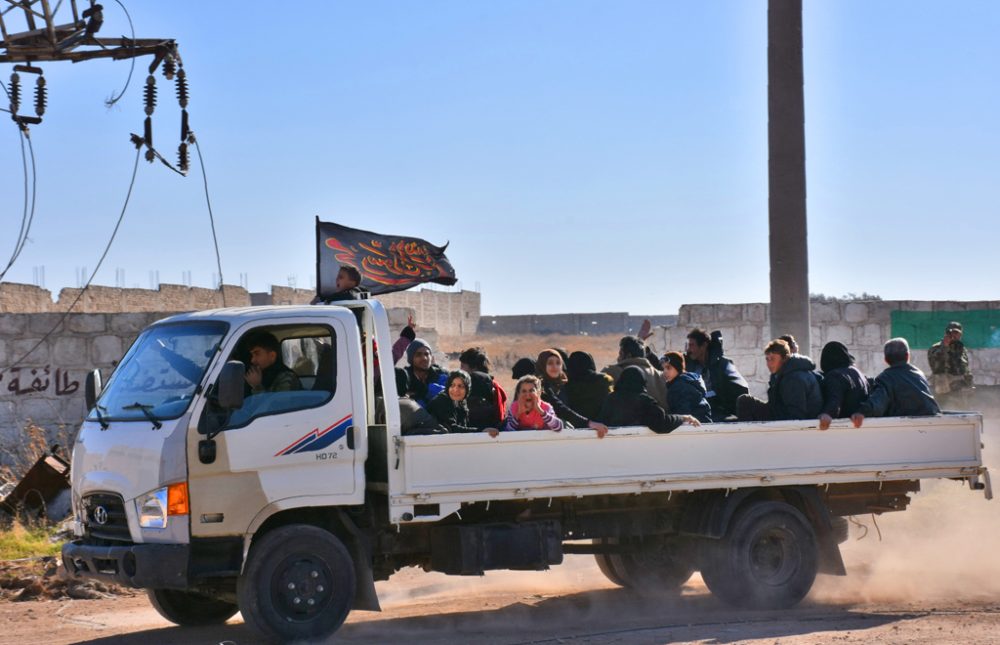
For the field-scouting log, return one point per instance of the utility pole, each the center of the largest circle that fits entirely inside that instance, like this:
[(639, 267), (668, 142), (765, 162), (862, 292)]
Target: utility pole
[(788, 238)]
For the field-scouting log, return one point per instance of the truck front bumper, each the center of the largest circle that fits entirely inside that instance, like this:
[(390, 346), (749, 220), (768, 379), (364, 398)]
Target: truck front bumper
[(144, 566)]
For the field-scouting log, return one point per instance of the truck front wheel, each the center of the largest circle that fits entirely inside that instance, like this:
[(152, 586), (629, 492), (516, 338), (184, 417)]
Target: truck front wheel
[(767, 559), (645, 564), (298, 584), (190, 609)]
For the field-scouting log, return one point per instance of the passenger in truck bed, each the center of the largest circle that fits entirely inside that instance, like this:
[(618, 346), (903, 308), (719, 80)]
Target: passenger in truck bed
[(844, 386), (413, 419), (529, 411), (901, 390), (426, 378), (793, 393), (449, 407), (630, 405), (555, 392)]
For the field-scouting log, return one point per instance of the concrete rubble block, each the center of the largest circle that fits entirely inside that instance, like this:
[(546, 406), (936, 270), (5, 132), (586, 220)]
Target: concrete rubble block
[(70, 351), (134, 323), (880, 311), (13, 324), (42, 324), (19, 351), (755, 312), (855, 312), (729, 313), (840, 333), (106, 350), (824, 312), (86, 323), (869, 335)]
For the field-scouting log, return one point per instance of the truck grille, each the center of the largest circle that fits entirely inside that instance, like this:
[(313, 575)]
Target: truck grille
[(104, 517)]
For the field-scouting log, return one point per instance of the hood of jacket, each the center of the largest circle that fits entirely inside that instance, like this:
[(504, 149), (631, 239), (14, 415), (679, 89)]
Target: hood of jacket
[(798, 363), (691, 380)]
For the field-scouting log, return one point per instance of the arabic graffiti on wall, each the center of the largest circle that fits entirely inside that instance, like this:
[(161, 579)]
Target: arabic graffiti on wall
[(19, 381)]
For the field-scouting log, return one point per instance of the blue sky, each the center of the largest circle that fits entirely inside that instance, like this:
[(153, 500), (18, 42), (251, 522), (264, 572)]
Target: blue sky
[(578, 155)]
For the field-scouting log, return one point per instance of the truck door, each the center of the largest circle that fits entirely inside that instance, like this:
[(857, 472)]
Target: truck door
[(294, 436)]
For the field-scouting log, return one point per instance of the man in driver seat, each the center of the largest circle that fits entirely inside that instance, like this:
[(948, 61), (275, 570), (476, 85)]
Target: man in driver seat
[(267, 372)]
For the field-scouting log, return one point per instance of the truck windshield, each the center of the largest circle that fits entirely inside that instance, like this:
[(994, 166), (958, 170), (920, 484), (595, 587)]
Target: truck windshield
[(158, 376)]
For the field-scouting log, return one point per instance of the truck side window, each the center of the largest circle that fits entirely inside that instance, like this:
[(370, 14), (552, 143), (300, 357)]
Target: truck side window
[(294, 370)]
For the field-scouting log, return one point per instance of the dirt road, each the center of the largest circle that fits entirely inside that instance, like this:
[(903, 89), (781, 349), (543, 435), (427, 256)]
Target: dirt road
[(574, 604)]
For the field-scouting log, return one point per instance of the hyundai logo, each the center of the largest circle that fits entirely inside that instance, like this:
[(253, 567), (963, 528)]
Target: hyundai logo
[(101, 515)]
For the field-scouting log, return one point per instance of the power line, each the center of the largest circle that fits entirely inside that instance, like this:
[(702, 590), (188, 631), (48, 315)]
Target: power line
[(211, 218), (131, 68), (107, 248), (28, 214)]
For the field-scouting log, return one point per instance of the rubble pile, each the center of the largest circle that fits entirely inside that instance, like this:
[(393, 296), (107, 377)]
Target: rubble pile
[(45, 579)]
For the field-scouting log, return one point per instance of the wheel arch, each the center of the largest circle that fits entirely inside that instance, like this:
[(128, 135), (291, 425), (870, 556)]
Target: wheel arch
[(339, 523), (708, 515)]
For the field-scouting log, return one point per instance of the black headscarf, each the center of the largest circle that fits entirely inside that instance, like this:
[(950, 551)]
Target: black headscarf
[(580, 365), (523, 367), (632, 381), (835, 356)]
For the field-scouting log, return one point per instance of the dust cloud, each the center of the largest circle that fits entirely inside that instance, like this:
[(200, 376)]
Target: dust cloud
[(942, 548)]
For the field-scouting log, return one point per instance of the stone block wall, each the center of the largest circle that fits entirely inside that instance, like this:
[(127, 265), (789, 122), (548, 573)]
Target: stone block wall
[(862, 326)]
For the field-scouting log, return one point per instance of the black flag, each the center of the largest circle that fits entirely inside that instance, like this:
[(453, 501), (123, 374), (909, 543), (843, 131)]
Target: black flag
[(386, 262)]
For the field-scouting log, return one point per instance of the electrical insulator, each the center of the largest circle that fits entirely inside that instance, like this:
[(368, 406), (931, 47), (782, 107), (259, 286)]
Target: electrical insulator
[(149, 94), (182, 157), (147, 133), (41, 96), (15, 93), (169, 68), (185, 130), (182, 88)]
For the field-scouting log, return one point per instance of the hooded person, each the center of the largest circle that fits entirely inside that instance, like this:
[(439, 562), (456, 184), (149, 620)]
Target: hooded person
[(631, 405), (426, 380), (487, 400), (685, 391), (523, 367), (586, 388), (794, 390), (844, 386), (449, 407)]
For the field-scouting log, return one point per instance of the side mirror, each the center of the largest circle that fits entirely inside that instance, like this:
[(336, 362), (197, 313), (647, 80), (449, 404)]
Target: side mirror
[(229, 388), (92, 388)]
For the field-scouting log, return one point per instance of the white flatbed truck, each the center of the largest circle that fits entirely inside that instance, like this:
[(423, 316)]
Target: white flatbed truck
[(288, 506)]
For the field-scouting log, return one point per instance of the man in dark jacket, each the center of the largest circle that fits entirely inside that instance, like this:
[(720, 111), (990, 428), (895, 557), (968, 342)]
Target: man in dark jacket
[(685, 391), (267, 372), (901, 390), (426, 380), (723, 382), (794, 392)]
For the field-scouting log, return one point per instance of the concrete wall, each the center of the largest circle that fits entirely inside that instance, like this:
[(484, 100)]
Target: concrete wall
[(863, 326), (614, 322)]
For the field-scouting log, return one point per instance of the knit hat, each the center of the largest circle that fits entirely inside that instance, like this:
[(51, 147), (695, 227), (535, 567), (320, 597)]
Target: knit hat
[(675, 360), (416, 344)]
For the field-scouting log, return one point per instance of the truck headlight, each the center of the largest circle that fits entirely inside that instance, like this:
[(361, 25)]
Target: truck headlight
[(152, 509), (156, 506)]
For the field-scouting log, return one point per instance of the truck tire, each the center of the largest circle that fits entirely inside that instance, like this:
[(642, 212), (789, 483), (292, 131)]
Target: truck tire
[(190, 609), (652, 566), (767, 559), (298, 584)]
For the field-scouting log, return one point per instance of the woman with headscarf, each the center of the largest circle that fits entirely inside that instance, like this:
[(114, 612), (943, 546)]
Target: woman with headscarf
[(549, 368), (586, 388), (449, 407), (630, 405), (845, 388)]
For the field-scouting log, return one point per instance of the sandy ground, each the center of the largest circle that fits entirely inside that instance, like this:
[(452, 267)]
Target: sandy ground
[(570, 604)]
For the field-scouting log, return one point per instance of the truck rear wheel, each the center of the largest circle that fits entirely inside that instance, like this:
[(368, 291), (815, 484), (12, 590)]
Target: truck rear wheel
[(298, 584), (767, 559), (190, 609), (649, 565)]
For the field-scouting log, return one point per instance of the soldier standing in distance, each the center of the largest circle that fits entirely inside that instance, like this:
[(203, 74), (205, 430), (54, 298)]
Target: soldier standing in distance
[(949, 361)]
